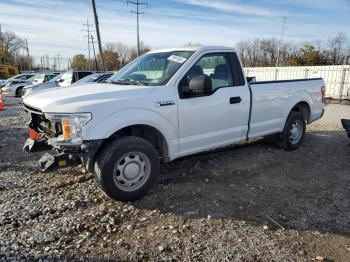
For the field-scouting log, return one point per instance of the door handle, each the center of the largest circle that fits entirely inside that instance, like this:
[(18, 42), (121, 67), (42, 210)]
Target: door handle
[(235, 100)]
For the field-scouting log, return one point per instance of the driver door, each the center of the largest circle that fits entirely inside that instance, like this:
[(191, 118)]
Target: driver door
[(216, 119)]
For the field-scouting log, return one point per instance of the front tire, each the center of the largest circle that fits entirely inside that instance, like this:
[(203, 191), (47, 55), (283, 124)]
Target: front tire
[(293, 133), (19, 91), (127, 168)]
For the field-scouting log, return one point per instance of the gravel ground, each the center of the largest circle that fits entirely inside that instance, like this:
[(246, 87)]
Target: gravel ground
[(244, 203)]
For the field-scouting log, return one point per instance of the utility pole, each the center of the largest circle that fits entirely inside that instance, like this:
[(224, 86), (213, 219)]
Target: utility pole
[(86, 28), (98, 35), (47, 62), (137, 13), (29, 66), (93, 48), (284, 18), (58, 61), (2, 44), (54, 63), (69, 64)]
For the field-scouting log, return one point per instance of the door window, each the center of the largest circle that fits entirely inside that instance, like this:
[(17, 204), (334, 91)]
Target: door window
[(216, 66)]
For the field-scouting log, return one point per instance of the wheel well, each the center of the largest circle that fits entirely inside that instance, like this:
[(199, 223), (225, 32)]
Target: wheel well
[(149, 133), (303, 108)]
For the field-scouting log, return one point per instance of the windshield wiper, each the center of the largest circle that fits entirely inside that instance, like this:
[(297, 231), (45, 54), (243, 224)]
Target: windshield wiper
[(127, 82)]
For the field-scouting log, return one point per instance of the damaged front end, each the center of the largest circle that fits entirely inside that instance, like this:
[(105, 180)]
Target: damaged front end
[(62, 135)]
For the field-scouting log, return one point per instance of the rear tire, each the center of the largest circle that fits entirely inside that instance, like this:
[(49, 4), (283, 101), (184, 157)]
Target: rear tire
[(293, 133), (127, 168), (19, 91)]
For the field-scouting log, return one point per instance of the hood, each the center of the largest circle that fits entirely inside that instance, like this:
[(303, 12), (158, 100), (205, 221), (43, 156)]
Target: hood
[(82, 98)]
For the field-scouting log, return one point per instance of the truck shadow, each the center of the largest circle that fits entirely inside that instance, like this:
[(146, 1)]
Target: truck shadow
[(304, 189)]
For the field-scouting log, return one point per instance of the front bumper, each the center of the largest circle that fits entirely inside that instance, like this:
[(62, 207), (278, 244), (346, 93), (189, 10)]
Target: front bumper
[(8, 92), (85, 152)]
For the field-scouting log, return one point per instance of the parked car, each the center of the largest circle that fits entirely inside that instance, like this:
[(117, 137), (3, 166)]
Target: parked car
[(22, 77), (62, 80), (169, 104), (44, 77), (3, 82), (15, 85), (72, 76), (94, 78), (47, 85)]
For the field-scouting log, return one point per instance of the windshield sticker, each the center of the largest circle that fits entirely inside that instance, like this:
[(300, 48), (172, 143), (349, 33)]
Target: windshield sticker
[(177, 59)]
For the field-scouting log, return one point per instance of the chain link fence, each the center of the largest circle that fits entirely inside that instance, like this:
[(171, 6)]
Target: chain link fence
[(337, 78)]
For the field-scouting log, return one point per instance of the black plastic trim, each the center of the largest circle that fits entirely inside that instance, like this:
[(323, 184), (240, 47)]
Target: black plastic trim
[(89, 149), (250, 111), (284, 81)]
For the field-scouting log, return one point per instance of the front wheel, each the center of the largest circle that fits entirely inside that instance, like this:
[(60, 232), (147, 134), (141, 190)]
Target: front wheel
[(19, 91), (293, 133), (127, 168)]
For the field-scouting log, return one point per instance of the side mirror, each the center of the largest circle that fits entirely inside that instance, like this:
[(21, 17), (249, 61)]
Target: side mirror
[(200, 85)]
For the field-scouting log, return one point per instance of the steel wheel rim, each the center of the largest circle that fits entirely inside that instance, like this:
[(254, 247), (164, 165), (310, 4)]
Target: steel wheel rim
[(131, 171), (296, 132)]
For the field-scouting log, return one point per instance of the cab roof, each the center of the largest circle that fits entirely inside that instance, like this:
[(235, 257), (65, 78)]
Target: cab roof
[(194, 48)]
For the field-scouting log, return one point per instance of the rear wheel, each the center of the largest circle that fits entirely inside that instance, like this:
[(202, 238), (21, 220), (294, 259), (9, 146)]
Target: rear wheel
[(293, 133), (19, 91), (127, 168)]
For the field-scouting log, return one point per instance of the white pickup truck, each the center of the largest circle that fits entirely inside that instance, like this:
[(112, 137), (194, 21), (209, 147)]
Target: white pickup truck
[(168, 104)]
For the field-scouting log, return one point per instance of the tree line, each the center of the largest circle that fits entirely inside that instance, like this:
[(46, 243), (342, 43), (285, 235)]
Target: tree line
[(266, 52), (115, 55), (254, 53), (12, 48)]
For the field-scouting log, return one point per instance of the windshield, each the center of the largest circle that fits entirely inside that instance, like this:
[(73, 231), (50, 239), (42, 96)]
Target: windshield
[(88, 79), (30, 78), (56, 78), (151, 69), (23, 77), (39, 77)]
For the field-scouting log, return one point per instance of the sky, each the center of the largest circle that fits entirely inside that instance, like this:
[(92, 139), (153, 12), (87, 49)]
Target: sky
[(54, 26)]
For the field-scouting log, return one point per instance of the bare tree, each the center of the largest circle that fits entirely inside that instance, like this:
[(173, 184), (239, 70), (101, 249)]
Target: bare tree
[(10, 44), (124, 52), (336, 47), (192, 44)]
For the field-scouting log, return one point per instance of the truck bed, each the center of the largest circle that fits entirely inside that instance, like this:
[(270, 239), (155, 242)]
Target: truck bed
[(273, 100)]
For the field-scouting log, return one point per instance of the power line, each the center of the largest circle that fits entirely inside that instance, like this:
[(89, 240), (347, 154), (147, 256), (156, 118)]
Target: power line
[(137, 13), (284, 18)]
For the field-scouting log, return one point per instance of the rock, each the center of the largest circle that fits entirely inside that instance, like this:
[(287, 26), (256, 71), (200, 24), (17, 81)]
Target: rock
[(319, 258), (265, 227), (161, 248)]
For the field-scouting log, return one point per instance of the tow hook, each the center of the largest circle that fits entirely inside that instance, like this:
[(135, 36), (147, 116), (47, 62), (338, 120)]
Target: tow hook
[(48, 162), (36, 145)]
